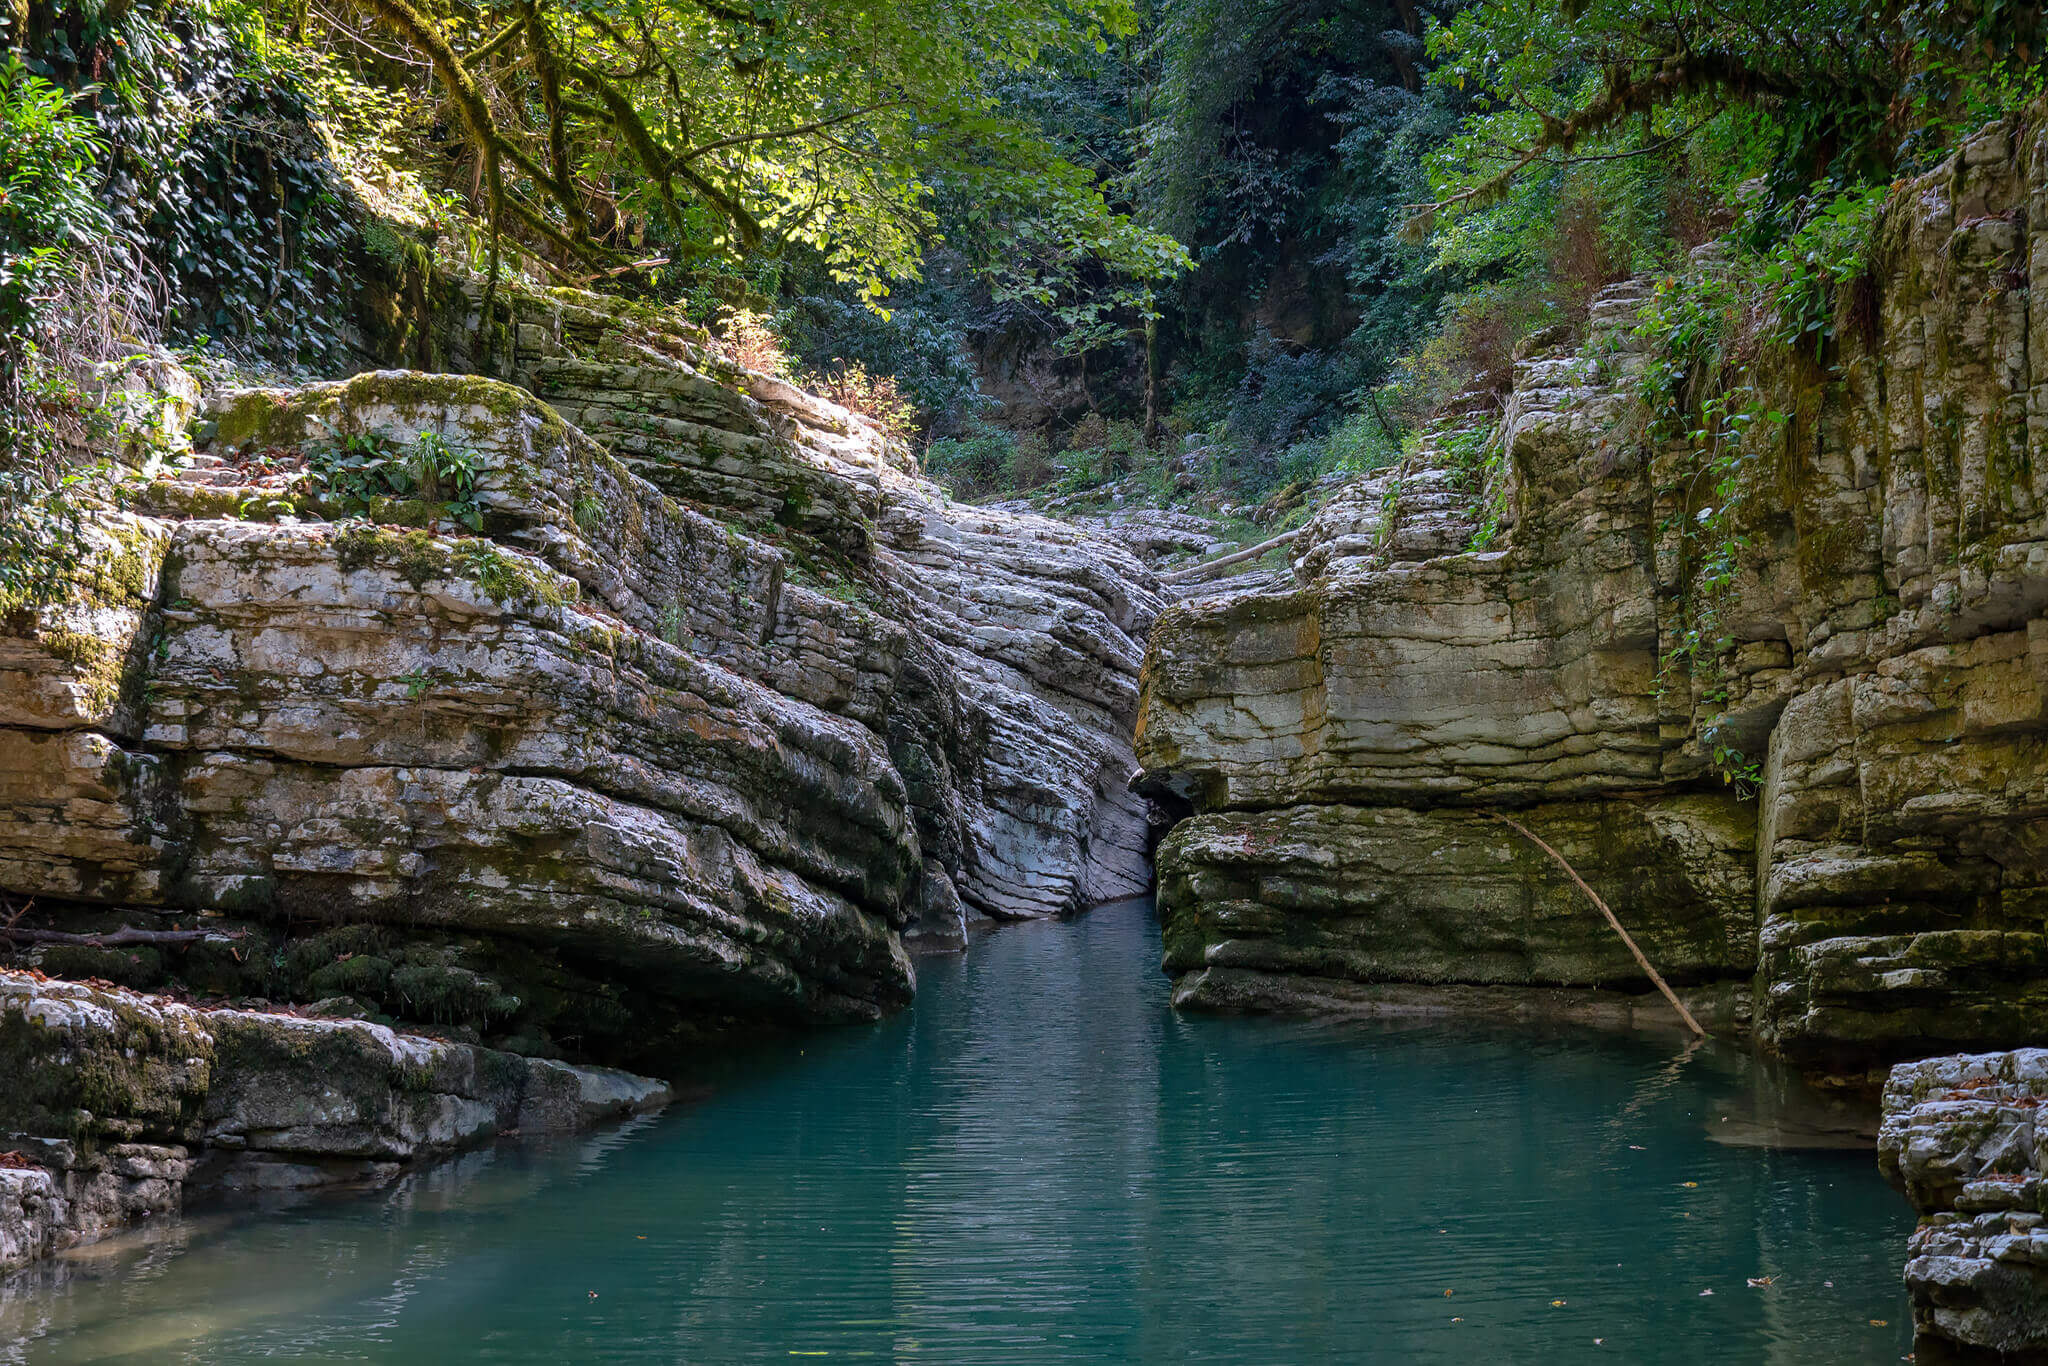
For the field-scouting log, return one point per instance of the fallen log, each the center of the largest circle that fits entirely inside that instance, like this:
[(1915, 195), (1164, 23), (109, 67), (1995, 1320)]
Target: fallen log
[(1196, 572), (113, 939)]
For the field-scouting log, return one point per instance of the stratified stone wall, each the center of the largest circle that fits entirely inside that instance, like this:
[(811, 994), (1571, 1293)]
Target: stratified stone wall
[(1962, 1140), (116, 1102), (717, 704), (1887, 688)]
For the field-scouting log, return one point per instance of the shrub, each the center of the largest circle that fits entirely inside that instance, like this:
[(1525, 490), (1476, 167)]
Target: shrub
[(975, 464)]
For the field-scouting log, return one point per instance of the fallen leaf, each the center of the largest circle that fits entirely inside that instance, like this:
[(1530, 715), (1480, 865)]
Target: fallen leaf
[(1756, 1281), (1691, 1185), (1557, 1304), (1880, 1323), (1449, 1293), (1457, 1318), (1706, 1292)]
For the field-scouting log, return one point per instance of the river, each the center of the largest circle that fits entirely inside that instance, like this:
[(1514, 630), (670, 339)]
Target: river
[(1040, 1162)]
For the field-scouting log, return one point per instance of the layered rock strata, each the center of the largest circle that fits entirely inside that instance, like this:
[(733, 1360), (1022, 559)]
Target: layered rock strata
[(1962, 1139), (117, 1103), (712, 704), (1836, 786)]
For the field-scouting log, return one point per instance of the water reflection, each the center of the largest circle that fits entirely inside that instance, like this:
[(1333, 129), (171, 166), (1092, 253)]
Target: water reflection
[(1042, 1163)]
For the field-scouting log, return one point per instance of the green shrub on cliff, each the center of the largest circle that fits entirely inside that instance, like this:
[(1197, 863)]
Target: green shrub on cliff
[(56, 251)]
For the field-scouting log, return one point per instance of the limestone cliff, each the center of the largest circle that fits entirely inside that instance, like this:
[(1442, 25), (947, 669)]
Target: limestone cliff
[(1961, 1140), (1847, 806), (712, 702)]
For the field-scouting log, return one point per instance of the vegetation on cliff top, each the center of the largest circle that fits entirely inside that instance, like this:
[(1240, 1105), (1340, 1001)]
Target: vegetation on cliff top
[(1167, 248)]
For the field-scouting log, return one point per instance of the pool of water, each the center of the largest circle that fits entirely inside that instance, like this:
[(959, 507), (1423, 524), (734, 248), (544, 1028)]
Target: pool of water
[(1040, 1162)]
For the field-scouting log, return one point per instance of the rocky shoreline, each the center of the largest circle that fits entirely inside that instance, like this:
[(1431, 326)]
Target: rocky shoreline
[(1961, 1140), (671, 717), (705, 705), (119, 1104)]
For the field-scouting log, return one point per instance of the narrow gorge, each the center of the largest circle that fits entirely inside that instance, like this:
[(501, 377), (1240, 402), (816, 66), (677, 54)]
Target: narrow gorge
[(627, 632), (722, 706), (1828, 834)]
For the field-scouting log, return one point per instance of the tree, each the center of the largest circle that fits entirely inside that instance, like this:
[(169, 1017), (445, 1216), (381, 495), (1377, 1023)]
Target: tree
[(1851, 88), (600, 130)]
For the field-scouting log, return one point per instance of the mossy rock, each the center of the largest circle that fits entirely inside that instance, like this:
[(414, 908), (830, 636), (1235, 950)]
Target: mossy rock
[(91, 1065), (130, 967), (358, 975), (430, 987)]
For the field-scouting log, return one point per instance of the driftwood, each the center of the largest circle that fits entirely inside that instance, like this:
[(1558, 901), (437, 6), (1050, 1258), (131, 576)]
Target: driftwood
[(1594, 897), (1195, 573), (112, 939)]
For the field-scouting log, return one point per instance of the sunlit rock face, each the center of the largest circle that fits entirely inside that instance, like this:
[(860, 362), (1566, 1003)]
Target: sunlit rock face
[(1879, 860), (713, 705)]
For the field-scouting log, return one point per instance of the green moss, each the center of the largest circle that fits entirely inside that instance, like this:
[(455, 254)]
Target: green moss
[(441, 992), (364, 975), (796, 502), (132, 1078), (410, 512), (385, 245), (257, 419), (359, 545), (96, 663), (512, 578), (137, 967), (417, 555)]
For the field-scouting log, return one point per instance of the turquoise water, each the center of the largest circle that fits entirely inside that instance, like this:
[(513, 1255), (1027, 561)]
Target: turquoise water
[(1042, 1163)]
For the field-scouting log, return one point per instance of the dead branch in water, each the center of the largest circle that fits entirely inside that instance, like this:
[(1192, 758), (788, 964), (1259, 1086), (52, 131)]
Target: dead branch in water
[(1644, 963)]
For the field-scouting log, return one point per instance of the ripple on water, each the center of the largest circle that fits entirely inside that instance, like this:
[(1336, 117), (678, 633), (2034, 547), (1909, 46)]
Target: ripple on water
[(1042, 1163)]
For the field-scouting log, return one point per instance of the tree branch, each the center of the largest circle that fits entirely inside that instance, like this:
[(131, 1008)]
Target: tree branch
[(497, 41), (799, 130), (115, 939)]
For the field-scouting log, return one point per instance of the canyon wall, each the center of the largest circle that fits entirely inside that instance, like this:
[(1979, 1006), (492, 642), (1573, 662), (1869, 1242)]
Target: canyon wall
[(711, 703), (1829, 825)]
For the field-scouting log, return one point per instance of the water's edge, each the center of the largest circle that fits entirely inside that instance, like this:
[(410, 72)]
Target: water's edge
[(1042, 1162)]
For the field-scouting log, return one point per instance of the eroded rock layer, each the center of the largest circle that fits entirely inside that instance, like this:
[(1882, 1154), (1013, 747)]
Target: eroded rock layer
[(1962, 1140), (1843, 792), (710, 705), (118, 1102)]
